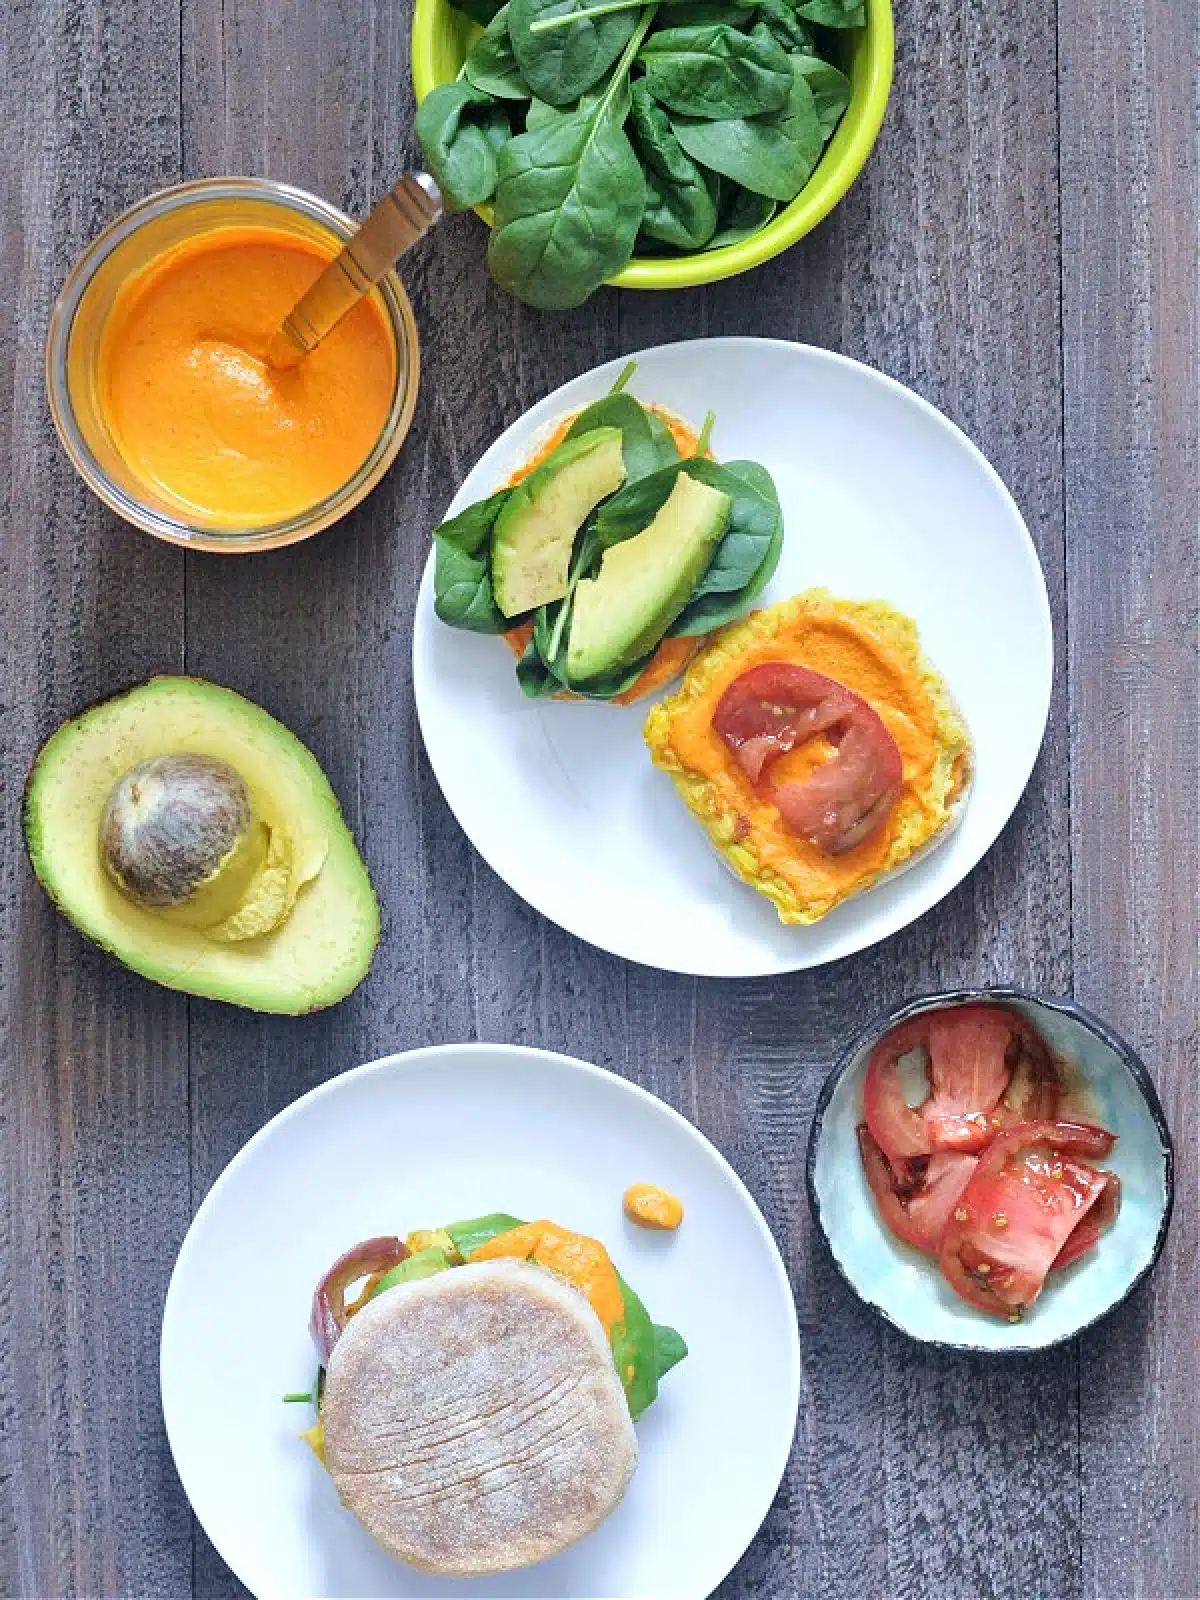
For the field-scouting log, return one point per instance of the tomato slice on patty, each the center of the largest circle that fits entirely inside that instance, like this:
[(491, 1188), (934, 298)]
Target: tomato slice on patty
[(778, 706), (1023, 1202)]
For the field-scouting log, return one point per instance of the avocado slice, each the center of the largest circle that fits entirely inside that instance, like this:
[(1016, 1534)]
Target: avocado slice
[(535, 532), (645, 582), (422, 1264), (323, 945)]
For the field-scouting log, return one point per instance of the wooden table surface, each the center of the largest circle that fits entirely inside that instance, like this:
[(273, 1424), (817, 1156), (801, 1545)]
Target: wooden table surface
[(1022, 251)]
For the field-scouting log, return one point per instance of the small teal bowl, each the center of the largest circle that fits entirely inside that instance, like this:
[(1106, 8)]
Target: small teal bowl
[(905, 1287)]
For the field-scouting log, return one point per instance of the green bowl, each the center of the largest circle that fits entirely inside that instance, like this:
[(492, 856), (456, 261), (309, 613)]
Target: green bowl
[(441, 37)]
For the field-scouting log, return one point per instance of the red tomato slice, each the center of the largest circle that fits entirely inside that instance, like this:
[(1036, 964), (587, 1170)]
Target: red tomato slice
[(1025, 1198), (776, 707), (1097, 1222), (969, 1070), (987, 1068), (900, 1131), (916, 1201)]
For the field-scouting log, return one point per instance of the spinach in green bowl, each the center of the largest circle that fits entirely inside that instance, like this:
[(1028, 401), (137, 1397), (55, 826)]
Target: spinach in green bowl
[(597, 128)]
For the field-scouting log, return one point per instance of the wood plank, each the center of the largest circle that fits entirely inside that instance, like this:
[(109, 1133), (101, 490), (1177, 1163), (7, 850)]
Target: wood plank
[(93, 1099), (1130, 299), (914, 1472)]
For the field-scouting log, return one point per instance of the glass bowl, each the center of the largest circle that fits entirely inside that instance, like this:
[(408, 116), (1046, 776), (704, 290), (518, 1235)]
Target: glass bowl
[(158, 223)]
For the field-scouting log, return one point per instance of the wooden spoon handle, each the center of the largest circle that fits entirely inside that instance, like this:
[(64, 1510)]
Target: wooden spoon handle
[(403, 215)]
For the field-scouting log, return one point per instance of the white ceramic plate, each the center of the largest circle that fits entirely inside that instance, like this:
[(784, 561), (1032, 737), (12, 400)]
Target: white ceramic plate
[(883, 497), (421, 1139)]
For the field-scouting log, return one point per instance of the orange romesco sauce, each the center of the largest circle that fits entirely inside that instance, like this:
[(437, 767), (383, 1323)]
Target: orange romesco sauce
[(672, 655), (194, 408), (850, 652), (581, 1260), (652, 1207)]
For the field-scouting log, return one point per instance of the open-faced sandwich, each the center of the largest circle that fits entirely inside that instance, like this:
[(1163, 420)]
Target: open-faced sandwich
[(817, 747), (611, 553), (477, 1398)]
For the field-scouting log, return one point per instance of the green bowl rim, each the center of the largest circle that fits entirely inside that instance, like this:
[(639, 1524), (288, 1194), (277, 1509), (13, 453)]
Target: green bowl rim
[(825, 188)]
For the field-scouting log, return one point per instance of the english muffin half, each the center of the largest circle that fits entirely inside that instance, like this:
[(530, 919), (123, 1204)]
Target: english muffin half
[(474, 1421)]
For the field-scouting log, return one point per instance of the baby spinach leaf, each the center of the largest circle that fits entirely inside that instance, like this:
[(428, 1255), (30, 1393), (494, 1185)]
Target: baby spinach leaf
[(834, 13), (561, 65), (469, 1235), (569, 198), (830, 88), (622, 411), (703, 13), (634, 507), (635, 1353), (540, 114), (664, 440), (460, 129), (534, 677), (491, 66), (716, 72), (745, 560), (480, 11), (670, 1348), (462, 572), (772, 155), (780, 19), (681, 208), (741, 214), (681, 215)]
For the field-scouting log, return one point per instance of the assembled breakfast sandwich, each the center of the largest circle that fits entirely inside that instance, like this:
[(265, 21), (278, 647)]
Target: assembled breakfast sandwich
[(818, 748), (477, 1399), (612, 553)]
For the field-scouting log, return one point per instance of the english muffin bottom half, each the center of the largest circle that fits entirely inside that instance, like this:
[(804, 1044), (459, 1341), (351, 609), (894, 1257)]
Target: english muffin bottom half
[(474, 1421), (874, 651)]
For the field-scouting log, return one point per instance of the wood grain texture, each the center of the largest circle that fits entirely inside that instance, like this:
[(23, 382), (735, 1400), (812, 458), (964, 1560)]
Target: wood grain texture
[(914, 1474), (93, 1088), (1130, 300)]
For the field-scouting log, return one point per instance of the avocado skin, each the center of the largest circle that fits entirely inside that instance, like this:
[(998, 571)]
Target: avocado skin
[(623, 613), (522, 576), (290, 998)]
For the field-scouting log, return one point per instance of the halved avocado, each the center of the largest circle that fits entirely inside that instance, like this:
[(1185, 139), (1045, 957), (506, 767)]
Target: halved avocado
[(535, 532), (645, 582), (323, 946)]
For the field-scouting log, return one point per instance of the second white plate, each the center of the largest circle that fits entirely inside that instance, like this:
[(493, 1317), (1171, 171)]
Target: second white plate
[(883, 497), (415, 1141)]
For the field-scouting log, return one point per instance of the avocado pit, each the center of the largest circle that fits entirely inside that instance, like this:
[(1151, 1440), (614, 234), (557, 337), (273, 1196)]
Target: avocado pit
[(179, 836)]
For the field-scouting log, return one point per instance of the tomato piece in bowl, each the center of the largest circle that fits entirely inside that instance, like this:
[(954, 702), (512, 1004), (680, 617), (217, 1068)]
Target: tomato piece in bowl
[(1023, 1202), (987, 1070), (916, 1197)]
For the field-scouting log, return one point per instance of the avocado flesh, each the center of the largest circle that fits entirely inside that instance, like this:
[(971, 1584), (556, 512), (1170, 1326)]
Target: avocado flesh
[(535, 533), (322, 948), (421, 1265), (645, 582)]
